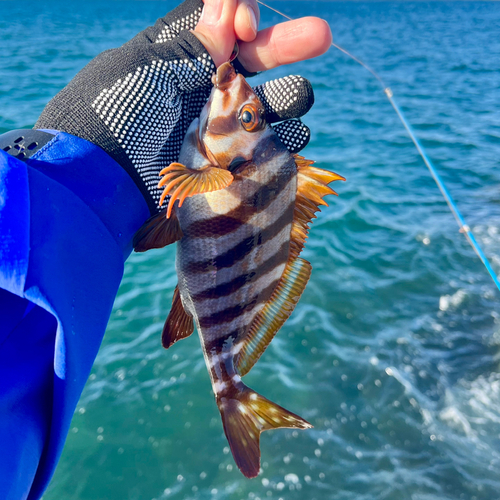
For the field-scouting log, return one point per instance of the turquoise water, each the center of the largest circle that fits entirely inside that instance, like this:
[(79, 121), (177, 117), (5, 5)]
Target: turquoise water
[(393, 352)]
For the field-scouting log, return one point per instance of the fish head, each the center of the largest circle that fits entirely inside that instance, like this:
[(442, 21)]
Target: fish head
[(232, 122)]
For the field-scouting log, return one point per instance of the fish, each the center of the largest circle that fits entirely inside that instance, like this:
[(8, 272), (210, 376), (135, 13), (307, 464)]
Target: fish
[(239, 206)]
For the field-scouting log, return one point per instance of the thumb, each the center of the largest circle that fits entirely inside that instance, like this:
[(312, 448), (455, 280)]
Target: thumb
[(215, 30)]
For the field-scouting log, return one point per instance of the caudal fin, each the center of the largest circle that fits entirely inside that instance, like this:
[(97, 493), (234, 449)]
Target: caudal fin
[(244, 416)]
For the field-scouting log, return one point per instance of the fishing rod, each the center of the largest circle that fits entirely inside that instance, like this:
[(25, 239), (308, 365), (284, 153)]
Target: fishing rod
[(464, 227)]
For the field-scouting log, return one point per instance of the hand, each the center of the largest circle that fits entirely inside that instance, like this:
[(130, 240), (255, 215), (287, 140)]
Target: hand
[(137, 101), (225, 21)]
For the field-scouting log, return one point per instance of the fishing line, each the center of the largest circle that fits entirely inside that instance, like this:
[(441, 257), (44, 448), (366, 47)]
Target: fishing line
[(464, 227)]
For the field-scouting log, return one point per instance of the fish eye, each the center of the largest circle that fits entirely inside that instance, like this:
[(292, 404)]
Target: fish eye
[(246, 117), (250, 118)]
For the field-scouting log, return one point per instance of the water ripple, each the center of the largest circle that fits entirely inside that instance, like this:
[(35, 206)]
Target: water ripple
[(393, 351)]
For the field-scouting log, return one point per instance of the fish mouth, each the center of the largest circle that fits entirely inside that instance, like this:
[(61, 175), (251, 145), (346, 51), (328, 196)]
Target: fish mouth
[(225, 75)]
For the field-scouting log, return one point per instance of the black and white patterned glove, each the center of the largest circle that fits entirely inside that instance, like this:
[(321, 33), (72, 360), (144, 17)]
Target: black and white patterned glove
[(137, 101)]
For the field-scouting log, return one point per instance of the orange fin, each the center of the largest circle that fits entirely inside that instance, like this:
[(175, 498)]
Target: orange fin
[(182, 182), (157, 232), (312, 187), (274, 314), (244, 417), (179, 324)]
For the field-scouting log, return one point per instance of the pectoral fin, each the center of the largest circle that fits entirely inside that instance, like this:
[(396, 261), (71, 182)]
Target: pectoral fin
[(312, 187), (274, 314), (157, 232), (182, 182), (179, 324)]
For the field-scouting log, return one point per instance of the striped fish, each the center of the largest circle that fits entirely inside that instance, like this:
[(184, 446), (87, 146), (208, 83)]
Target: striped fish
[(242, 218)]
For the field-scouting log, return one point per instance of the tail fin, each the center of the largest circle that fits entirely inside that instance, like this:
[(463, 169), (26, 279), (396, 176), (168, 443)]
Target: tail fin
[(244, 417)]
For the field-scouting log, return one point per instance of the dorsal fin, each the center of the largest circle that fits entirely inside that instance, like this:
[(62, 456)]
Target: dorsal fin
[(274, 314), (312, 187), (157, 232), (179, 324), (182, 182)]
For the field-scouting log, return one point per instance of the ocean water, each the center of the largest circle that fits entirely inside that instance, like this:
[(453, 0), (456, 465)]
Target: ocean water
[(393, 353)]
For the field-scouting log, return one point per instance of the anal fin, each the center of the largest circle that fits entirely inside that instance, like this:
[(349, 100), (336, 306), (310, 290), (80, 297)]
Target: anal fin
[(244, 416), (182, 182), (274, 314), (157, 232), (179, 324)]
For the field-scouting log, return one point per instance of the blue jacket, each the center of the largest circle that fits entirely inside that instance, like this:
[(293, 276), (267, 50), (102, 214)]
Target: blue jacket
[(67, 218)]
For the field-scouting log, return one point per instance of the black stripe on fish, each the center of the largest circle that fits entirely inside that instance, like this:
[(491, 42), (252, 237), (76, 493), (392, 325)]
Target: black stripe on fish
[(269, 148), (241, 250), (218, 344), (224, 289), (233, 312), (228, 288)]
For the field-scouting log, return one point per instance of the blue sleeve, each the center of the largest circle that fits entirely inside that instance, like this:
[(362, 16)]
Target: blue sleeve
[(67, 218)]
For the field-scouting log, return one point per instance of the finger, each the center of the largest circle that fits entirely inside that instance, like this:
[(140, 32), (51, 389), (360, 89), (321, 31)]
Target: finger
[(215, 30), (286, 43), (293, 134), (246, 20), (285, 98)]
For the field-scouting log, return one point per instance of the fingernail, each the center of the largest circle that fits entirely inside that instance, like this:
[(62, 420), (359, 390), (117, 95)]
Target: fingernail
[(212, 11), (253, 19)]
